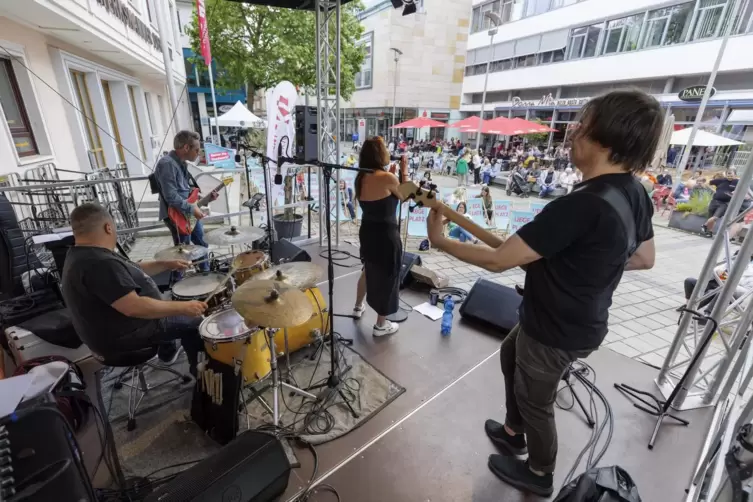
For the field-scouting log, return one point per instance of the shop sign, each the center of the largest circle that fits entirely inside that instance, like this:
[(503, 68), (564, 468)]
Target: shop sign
[(440, 116), (123, 12), (548, 100), (695, 93), (225, 108)]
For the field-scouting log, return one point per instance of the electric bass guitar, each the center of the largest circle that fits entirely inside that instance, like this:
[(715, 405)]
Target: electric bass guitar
[(426, 196), (184, 222)]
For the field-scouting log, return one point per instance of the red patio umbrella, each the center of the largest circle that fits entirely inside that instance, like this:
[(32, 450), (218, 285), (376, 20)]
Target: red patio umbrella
[(529, 127), (472, 121), (418, 123), (501, 125)]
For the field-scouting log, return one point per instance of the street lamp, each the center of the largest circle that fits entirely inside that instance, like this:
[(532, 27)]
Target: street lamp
[(496, 20), (398, 53)]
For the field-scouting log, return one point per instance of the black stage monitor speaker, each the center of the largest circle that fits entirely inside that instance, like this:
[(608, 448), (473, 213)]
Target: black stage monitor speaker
[(409, 259), (251, 468), (306, 138), (287, 251), (492, 304)]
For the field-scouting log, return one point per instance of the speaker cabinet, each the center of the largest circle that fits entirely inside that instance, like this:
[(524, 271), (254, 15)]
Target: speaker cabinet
[(493, 305)]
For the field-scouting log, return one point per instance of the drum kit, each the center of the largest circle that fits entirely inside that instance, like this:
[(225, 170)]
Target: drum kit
[(256, 312)]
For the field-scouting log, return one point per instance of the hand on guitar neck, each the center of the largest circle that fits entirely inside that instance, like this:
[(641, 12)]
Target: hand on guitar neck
[(182, 221), (427, 197)]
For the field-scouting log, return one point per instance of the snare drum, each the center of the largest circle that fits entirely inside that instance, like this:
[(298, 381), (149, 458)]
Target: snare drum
[(227, 339), (199, 286), (247, 264)]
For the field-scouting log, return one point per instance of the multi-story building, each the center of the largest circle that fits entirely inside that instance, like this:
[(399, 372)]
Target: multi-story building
[(549, 57), (199, 91), (83, 83), (427, 79)]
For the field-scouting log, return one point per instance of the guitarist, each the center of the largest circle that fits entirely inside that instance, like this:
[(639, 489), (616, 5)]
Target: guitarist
[(176, 183), (574, 253)]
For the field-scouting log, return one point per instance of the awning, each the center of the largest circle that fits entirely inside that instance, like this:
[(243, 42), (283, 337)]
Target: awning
[(745, 116)]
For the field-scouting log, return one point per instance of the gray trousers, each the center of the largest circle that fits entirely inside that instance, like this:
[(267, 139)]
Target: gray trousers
[(532, 374)]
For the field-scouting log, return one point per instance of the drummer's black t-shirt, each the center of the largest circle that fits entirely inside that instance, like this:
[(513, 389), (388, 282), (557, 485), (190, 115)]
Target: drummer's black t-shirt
[(93, 278)]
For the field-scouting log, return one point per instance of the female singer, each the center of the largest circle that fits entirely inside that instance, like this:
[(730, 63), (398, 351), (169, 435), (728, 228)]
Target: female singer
[(381, 249)]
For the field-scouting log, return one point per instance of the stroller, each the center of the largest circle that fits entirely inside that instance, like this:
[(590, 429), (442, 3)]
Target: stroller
[(518, 183)]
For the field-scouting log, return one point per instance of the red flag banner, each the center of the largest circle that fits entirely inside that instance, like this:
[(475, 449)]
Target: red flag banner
[(206, 50)]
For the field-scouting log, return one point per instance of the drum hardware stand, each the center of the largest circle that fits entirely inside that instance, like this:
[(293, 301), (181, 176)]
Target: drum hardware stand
[(661, 408), (248, 179), (566, 378)]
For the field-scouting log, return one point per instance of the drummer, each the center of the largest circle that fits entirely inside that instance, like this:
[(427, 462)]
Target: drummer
[(116, 307)]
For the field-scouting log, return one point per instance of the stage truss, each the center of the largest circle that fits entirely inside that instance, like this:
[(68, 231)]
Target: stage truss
[(328, 109)]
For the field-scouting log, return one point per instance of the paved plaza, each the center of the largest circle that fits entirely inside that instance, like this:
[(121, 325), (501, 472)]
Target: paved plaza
[(643, 316)]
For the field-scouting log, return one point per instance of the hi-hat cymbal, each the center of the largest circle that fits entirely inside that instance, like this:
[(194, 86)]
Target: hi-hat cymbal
[(272, 304), (186, 252), (301, 275), (234, 235)]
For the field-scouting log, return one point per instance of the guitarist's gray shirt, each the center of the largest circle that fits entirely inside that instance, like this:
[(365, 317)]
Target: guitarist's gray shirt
[(175, 185)]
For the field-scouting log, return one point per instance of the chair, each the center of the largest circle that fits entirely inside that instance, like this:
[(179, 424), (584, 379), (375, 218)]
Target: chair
[(135, 362)]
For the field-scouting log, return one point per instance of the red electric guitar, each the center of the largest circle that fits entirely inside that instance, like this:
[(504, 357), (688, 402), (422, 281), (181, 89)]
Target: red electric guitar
[(184, 222)]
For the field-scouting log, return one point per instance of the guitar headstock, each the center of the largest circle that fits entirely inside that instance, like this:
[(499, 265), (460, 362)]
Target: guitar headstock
[(423, 194), (227, 181)]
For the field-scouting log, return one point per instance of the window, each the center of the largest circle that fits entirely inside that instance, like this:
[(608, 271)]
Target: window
[(363, 77), (94, 143), (173, 27), (576, 43), (149, 113), (708, 18), (161, 109), (180, 22), (534, 7), (132, 98), (622, 34), (679, 24), (508, 10), (667, 26), (14, 111), (113, 120), (190, 73)]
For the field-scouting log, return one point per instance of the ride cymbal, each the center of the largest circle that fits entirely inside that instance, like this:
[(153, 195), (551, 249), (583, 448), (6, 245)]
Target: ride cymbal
[(301, 275), (187, 252), (272, 304), (234, 235)]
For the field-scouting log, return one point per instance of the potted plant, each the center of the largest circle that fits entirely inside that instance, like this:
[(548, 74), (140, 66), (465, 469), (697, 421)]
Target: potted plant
[(288, 224), (690, 216)]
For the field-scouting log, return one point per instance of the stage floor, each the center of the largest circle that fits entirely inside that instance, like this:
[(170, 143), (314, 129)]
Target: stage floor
[(429, 444)]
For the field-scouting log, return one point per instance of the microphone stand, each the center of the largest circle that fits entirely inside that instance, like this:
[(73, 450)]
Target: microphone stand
[(248, 180), (401, 315), (267, 195)]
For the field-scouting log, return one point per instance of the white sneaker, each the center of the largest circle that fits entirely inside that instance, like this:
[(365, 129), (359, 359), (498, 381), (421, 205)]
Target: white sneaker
[(389, 328), (358, 311)]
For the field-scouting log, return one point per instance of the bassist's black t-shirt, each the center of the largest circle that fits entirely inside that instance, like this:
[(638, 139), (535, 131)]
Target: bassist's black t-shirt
[(583, 244)]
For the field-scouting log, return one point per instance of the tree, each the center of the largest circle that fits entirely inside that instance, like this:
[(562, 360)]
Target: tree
[(538, 138), (259, 46)]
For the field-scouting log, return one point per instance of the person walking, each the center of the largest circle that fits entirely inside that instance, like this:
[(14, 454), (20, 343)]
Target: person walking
[(476, 168), (462, 169)]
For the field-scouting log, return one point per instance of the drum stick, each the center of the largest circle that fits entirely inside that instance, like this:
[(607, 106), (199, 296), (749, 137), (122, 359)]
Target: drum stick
[(220, 393), (221, 284)]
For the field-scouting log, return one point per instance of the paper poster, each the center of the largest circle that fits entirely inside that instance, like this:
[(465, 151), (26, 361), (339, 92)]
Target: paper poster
[(518, 219), (417, 222), (477, 213), (502, 210), (537, 207)]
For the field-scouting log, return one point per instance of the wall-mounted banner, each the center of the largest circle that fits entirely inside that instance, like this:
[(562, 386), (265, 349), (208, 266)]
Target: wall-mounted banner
[(477, 213), (537, 207), (502, 213), (218, 156), (417, 222), (518, 219)]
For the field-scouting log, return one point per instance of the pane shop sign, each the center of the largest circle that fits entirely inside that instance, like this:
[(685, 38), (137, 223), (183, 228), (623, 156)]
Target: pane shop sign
[(695, 93), (129, 18), (548, 100)]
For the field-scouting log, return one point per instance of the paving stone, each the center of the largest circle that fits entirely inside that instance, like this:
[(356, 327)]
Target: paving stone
[(640, 345), (622, 330), (622, 348), (636, 327), (650, 323)]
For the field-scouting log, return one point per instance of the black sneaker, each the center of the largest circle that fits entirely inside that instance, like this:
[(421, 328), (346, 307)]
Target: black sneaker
[(515, 445), (705, 232), (516, 472), (168, 353)]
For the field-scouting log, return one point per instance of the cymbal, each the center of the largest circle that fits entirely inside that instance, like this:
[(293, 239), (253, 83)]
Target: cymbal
[(272, 304), (301, 275), (186, 252), (234, 235)]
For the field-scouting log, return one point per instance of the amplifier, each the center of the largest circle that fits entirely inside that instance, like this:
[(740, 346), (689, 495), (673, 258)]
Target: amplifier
[(409, 260), (251, 468), (284, 251), (492, 304)]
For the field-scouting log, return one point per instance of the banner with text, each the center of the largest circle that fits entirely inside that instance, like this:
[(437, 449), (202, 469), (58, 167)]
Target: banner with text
[(218, 156), (417, 222), (537, 207), (477, 213), (502, 210), (518, 219)]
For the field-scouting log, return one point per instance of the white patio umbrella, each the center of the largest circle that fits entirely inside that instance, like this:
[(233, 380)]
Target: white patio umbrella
[(240, 116), (702, 138), (660, 157)]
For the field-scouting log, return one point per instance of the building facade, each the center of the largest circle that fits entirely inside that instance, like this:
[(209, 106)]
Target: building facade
[(428, 76), (83, 84), (549, 57)]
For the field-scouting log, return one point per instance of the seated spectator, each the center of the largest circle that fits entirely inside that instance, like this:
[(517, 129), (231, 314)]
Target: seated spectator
[(457, 232), (486, 171), (569, 179), (486, 198), (684, 191), (664, 177), (721, 271), (547, 181)]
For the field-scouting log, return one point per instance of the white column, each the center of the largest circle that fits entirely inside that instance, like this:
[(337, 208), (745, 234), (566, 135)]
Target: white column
[(164, 34), (201, 100), (121, 103)]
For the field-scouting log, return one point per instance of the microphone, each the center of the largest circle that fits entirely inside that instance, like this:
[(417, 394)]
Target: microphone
[(278, 176)]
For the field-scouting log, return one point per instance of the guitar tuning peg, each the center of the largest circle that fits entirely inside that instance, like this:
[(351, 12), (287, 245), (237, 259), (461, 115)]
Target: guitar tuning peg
[(430, 195), (432, 187), (411, 208), (421, 183)]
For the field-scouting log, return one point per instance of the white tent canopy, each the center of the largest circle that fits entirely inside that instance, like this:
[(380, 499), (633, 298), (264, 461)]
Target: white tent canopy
[(239, 116), (702, 138)]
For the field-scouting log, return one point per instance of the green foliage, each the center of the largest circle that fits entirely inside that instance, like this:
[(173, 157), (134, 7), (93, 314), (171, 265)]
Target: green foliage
[(260, 46), (698, 203), (540, 137)]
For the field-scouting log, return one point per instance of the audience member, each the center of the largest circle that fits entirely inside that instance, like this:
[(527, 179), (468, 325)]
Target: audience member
[(547, 181), (456, 231)]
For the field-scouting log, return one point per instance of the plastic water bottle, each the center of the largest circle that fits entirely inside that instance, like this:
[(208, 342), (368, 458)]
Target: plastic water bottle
[(447, 316)]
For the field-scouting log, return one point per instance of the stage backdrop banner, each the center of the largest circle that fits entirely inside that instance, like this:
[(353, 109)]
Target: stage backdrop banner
[(502, 213), (217, 156), (537, 207), (518, 219), (417, 222), (476, 212)]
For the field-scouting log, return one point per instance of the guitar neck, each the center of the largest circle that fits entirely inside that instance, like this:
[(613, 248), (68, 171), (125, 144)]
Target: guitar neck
[(204, 201), (479, 232)]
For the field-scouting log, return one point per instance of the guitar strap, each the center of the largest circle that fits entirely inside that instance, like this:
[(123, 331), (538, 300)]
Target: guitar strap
[(620, 204)]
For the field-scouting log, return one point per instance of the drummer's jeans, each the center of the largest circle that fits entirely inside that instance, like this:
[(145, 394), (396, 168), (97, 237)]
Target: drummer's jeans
[(185, 329), (196, 237)]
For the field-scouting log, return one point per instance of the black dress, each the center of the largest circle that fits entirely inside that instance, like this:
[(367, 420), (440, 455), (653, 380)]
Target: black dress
[(381, 253)]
